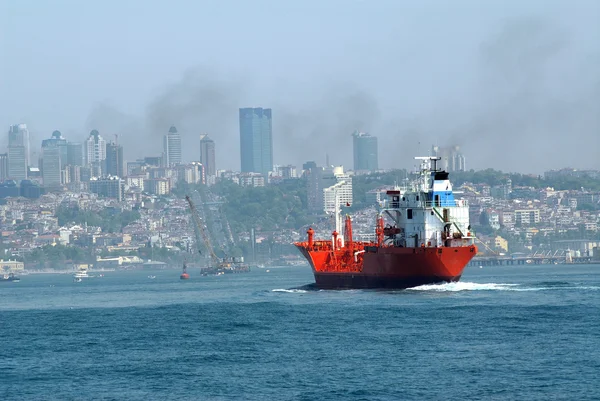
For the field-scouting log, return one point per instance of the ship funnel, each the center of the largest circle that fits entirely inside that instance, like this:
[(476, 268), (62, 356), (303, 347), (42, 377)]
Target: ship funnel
[(311, 236), (348, 231)]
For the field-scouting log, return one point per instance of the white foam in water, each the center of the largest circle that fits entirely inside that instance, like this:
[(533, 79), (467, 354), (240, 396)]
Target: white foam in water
[(464, 286), (293, 290)]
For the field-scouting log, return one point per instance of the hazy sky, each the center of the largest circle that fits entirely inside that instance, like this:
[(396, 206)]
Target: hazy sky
[(515, 83)]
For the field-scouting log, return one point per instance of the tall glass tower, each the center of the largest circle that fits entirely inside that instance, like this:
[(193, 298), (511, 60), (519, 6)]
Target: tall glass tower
[(365, 152), (18, 152), (172, 148), (114, 160), (207, 155), (256, 140), (54, 159)]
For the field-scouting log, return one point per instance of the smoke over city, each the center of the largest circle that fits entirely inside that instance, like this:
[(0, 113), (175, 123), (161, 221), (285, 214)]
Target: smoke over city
[(517, 90), (200, 102)]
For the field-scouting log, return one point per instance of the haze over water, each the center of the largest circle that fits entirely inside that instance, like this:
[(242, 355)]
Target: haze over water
[(502, 333)]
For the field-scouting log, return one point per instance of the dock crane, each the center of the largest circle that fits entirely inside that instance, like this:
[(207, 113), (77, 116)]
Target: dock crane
[(218, 265), (201, 233)]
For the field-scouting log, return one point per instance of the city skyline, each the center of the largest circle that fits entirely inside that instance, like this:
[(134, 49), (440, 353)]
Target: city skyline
[(53, 174)]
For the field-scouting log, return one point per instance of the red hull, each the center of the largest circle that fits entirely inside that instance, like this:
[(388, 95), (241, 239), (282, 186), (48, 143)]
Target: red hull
[(367, 266)]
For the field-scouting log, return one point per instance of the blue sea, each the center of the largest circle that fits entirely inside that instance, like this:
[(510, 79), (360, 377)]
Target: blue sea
[(502, 333)]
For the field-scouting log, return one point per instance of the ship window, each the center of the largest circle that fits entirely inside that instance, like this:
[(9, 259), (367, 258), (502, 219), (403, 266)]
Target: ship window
[(409, 213), (432, 212), (417, 198), (403, 198)]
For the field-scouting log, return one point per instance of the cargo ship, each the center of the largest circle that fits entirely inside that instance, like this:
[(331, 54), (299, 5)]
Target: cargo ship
[(422, 236)]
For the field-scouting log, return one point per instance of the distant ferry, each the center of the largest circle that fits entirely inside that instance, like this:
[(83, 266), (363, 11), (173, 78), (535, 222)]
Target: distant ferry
[(80, 273), (9, 277)]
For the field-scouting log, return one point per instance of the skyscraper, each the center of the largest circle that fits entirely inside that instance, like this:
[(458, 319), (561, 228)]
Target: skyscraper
[(365, 152), (207, 155), (18, 152), (114, 160), (51, 164), (172, 147), (75, 154), (95, 153), (61, 143), (3, 166), (54, 159), (256, 140)]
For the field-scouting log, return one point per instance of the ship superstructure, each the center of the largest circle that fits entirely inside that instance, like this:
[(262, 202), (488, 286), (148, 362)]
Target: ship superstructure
[(423, 237)]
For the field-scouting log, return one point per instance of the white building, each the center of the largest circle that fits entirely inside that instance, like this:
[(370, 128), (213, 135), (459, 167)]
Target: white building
[(172, 148), (95, 153), (341, 190)]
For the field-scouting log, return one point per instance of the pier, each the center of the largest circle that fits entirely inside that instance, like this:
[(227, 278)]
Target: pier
[(530, 260)]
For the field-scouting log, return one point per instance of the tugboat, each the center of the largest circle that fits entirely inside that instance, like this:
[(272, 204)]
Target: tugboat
[(184, 275)]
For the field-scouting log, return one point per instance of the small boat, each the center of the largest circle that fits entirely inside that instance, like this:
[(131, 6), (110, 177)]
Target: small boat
[(152, 277), (81, 273), (184, 275), (10, 277)]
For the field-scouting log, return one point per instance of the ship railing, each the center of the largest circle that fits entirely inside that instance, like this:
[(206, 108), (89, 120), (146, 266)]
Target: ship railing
[(386, 204)]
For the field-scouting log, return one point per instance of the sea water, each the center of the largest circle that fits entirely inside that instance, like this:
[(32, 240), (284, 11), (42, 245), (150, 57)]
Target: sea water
[(502, 333)]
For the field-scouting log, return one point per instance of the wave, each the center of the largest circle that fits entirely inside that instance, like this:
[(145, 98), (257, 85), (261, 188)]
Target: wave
[(291, 290), (462, 286), (468, 286)]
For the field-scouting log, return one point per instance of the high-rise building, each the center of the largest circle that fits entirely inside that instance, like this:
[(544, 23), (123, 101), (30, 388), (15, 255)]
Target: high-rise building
[(172, 148), (51, 164), (285, 172), (207, 155), (325, 185), (95, 153), (75, 154), (109, 187), (155, 161), (452, 159), (365, 152), (340, 192), (3, 166), (256, 140), (18, 152), (114, 160), (61, 143)]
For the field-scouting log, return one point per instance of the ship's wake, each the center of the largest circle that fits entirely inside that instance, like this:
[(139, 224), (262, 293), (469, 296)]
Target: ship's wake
[(463, 286), (289, 290), (469, 286), (296, 290)]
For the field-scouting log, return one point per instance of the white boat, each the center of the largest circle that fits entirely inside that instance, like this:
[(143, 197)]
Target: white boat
[(80, 273)]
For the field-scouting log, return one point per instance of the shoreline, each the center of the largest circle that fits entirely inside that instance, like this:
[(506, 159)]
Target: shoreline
[(67, 271)]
